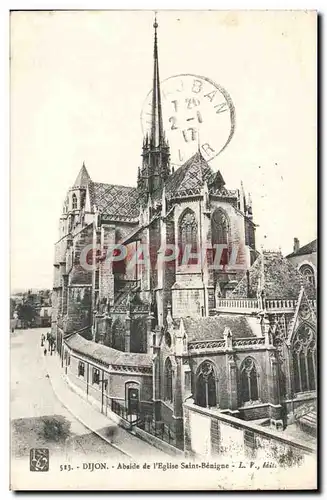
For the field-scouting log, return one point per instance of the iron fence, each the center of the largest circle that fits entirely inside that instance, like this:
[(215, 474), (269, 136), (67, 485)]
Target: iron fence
[(158, 429)]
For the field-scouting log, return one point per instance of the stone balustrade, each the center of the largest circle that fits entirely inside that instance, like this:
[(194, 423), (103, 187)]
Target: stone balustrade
[(214, 345)]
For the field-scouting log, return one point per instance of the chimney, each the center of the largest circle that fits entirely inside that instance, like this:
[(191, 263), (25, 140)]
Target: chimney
[(296, 245)]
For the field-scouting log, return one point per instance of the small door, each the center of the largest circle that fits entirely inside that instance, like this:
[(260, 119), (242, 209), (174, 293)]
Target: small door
[(133, 401)]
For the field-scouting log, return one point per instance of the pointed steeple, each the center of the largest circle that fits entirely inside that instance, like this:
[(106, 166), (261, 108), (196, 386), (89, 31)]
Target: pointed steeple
[(155, 165), (83, 178), (156, 118)]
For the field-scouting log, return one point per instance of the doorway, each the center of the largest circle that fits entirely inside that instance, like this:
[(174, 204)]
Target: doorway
[(133, 399)]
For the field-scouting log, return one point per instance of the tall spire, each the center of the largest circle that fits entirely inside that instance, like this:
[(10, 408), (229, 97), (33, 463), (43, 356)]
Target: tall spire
[(155, 151), (156, 119)]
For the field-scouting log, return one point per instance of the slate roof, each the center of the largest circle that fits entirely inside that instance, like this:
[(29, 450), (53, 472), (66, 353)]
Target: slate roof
[(83, 178), (281, 279), (115, 201), (189, 178), (106, 355), (305, 250), (118, 202), (212, 327)]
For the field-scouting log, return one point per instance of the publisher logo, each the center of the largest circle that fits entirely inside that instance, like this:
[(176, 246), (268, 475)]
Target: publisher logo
[(39, 459)]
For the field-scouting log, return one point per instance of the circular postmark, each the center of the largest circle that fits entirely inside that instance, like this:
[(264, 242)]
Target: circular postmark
[(197, 114)]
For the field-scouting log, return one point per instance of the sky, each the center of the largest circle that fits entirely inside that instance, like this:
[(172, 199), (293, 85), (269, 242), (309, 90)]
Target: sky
[(79, 81)]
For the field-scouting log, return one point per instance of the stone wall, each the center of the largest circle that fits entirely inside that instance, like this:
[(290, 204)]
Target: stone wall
[(78, 308), (208, 432)]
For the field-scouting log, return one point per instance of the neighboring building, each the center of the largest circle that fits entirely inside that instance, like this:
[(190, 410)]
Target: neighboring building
[(147, 340), (31, 309), (43, 318), (305, 260)]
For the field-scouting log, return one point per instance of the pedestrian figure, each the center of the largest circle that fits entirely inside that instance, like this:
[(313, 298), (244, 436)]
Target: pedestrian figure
[(45, 351)]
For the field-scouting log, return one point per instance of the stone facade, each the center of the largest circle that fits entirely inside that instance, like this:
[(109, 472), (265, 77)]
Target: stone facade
[(211, 317)]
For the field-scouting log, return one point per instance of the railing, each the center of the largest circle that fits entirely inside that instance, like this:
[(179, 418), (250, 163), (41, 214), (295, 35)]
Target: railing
[(123, 287), (254, 304), (209, 344), (123, 413), (222, 345), (252, 341), (160, 430), (249, 304), (281, 304), (244, 303)]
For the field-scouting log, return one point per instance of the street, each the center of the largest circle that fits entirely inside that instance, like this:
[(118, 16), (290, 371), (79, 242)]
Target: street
[(38, 418)]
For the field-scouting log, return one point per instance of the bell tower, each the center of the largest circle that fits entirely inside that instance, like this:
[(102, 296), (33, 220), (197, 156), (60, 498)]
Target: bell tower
[(155, 152)]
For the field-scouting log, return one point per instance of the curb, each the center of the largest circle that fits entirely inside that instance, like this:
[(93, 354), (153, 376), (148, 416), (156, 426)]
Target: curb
[(84, 423)]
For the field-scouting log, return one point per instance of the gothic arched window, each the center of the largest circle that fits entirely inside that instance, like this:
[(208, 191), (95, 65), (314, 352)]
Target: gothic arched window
[(74, 201), (168, 381), (249, 381), (304, 359), (206, 386), (188, 235), (308, 273), (220, 233)]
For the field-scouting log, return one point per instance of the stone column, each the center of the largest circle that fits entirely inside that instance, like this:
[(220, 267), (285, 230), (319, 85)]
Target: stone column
[(101, 329), (107, 327), (205, 243), (232, 383), (94, 326), (156, 384), (128, 333), (64, 294), (273, 387), (149, 332), (178, 403), (95, 263), (106, 278)]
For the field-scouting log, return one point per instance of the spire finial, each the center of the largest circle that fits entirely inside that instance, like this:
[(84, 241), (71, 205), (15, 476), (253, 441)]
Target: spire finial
[(155, 24)]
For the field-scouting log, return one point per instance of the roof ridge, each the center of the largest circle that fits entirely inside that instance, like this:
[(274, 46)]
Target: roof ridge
[(114, 185)]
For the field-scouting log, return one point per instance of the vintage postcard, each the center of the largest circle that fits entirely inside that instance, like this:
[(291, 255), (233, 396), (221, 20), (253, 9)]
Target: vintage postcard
[(163, 321)]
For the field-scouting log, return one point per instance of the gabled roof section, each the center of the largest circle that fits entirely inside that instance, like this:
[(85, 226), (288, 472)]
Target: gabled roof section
[(276, 275), (189, 178), (213, 327), (305, 250), (107, 355), (83, 178), (114, 201)]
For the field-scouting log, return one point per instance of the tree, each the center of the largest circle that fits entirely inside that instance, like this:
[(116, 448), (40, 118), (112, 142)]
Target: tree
[(26, 313)]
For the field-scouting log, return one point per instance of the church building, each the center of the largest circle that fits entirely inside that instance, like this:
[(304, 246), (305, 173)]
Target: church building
[(160, 296)]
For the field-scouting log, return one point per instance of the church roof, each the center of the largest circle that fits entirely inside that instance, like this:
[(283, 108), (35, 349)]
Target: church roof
[(114, 201), (106, 355), (189, 177), (305, 250), (281, 279), (83, 178), (212, 327)]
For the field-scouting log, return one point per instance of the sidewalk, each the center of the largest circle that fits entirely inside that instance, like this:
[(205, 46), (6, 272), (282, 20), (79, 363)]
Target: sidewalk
[(98, 423)]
